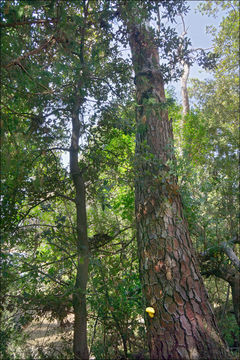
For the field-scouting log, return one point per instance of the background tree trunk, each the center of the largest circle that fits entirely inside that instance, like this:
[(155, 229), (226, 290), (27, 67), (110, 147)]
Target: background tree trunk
[(79, 297), (185, 76), (80, 347), (183, 326), (184, 91)]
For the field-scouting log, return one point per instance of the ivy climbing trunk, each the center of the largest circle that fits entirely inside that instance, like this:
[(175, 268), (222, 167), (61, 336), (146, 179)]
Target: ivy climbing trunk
[(183, 326), (80, 347)]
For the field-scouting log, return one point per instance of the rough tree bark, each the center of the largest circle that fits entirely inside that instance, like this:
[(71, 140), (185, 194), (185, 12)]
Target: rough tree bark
[(183, 326)]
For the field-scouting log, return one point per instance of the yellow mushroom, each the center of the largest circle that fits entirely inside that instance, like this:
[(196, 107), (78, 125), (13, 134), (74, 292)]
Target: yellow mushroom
[(150, 311)]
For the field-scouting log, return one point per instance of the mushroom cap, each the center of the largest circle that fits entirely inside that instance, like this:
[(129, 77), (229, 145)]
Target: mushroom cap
[(150, 311)]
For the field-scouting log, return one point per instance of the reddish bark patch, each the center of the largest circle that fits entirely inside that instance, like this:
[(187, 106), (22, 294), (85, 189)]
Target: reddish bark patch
[(159, 266), (178, 299), (171, 231), (175, 244), (172, 308), (189, 312), (166, 317), (196, 308), (179, 335), (185, 324)]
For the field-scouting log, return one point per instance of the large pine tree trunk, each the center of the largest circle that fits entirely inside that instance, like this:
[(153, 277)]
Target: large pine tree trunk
[(183, 326)]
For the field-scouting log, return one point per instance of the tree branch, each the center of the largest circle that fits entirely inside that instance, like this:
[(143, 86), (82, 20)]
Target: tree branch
[(224, 246), (231, 254), (99, 240), (57, 148), (28, 22), (63, 283), (42, 201), (17, 61), (43, 225), (65, 197)]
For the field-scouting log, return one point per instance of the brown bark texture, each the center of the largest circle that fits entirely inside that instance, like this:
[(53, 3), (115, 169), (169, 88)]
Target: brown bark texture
[(183, 326), (80, 347)]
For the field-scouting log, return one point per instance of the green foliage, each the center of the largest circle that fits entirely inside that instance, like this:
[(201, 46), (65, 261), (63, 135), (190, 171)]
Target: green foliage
[(206, 143), (42, 67)]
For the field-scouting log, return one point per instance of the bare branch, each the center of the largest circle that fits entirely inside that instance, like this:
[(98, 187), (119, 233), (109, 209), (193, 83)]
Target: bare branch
[(231, 254), (224, 246), (235, 240), (184, 27)]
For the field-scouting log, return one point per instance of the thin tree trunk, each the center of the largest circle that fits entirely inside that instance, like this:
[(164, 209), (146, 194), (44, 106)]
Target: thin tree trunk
[(118, 326), (183, 326), (184, 77), (80, 347), (235, 287), (184, 90), (79, 297)]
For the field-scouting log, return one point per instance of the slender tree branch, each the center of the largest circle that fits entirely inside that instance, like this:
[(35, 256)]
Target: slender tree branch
[(99, 240), (235, 240), (106, 252), (226, 301), (184, 27), (30, 76), (27, 115), (17, 61), (63, 249), (43, 225), (224, 246), (65, 197), (57, 148), (33, 267), (28, 22), (94, 333), (231, 254), (33, 206), (42, 201), (202, 49), (60, 260)]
